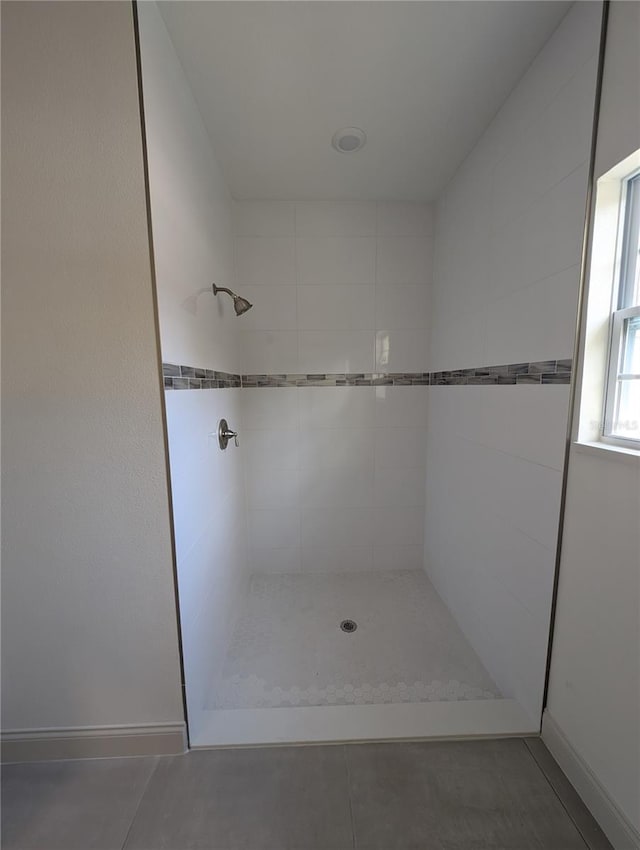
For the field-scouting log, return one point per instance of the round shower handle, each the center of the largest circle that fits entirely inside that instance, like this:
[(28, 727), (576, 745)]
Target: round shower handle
[(225, 434)]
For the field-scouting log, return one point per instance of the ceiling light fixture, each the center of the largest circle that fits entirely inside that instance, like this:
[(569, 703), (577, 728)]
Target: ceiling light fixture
[(348, 139)]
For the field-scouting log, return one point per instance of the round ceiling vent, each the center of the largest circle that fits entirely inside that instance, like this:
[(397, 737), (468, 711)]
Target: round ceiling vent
[(348, 140)]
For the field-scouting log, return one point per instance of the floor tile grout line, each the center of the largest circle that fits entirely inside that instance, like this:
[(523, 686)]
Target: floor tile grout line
[(531, 752), (346, 767), (152, 773)]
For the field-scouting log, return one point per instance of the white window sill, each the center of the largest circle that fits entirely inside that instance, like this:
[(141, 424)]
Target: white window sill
[(607, 450)]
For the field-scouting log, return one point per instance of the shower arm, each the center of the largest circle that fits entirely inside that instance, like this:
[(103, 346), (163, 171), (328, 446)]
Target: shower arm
[(217, 289)]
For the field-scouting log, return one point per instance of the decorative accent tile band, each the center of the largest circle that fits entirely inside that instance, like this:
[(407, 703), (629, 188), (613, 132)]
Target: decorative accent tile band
[(192, 378), (339, 379), (538, 372)]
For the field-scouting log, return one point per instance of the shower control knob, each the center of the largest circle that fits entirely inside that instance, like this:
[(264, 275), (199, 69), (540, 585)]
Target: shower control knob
[(225, 434)]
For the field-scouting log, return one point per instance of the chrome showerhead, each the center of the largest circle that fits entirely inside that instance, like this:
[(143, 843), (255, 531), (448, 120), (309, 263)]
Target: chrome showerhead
[(240, 304)]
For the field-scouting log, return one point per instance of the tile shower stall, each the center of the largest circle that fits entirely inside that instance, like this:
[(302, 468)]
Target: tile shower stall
[(400, 390)]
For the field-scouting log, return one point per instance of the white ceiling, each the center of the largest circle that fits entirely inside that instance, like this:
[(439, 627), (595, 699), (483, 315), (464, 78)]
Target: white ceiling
[(274, 80)]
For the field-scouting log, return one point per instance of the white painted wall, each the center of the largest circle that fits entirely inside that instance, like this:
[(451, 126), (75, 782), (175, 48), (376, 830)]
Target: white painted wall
[(594, 695), (506, 266), (88, 617), (191, 216), (335, 476)]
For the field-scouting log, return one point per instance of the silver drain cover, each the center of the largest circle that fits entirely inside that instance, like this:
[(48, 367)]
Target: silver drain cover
[(348, 626)]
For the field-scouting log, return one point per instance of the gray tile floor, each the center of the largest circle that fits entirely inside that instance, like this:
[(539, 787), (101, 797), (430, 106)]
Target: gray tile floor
[(474, 795)]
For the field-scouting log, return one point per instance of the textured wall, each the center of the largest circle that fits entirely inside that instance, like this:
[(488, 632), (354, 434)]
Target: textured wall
[(88, 617)]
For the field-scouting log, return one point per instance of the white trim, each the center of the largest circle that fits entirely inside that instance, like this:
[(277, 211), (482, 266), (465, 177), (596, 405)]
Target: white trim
[(617, 351), (20, 745), (614, 823), (340, 723), (602, 277), (612, 452)]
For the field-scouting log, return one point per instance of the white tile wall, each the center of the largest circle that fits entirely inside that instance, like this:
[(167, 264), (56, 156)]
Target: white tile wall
[(402, 449), (397, 487), (402, 557), (335, 351), (265, 410), (268, 486), (269, 351), (346, 308), (263, 218), (210, 530), (336, 526), (278, 308), (272, 529), (199, 330), (332, 487), (403, 259), (507, 253), (335, 477), (261, 260), (337, 407), (550, 310), (270, 448), (350, 448), (401, 307), (329, 280), (403, 219), (339, 219), (339, 559), (262, 560), (398, 351), (323, 260), (398, 526), (509, 226), (396, 408)]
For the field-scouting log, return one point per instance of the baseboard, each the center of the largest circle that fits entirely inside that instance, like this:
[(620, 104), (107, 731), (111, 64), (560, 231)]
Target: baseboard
[(87, 742), (613, 822)]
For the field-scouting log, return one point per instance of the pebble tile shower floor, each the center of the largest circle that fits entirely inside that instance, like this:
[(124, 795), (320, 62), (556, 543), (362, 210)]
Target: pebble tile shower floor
[(287, 648)]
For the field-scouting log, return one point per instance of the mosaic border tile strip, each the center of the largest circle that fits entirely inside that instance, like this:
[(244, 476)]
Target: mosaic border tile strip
[(534, 373), (191, 378), (339, 379)]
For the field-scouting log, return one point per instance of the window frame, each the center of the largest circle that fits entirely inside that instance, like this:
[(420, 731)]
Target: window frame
[(625, 310)]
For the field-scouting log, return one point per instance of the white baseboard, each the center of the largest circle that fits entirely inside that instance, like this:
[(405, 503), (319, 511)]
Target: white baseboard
[(20, 745), (330, 724), (613, 822)]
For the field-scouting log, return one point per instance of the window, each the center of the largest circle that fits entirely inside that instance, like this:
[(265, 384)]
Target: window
[(622, 402)]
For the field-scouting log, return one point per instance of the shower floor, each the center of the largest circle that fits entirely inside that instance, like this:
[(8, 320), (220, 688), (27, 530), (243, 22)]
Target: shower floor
[(287, 648)]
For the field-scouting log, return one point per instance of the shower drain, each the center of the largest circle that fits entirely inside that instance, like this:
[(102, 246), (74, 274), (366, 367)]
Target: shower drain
[(348, 626)]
